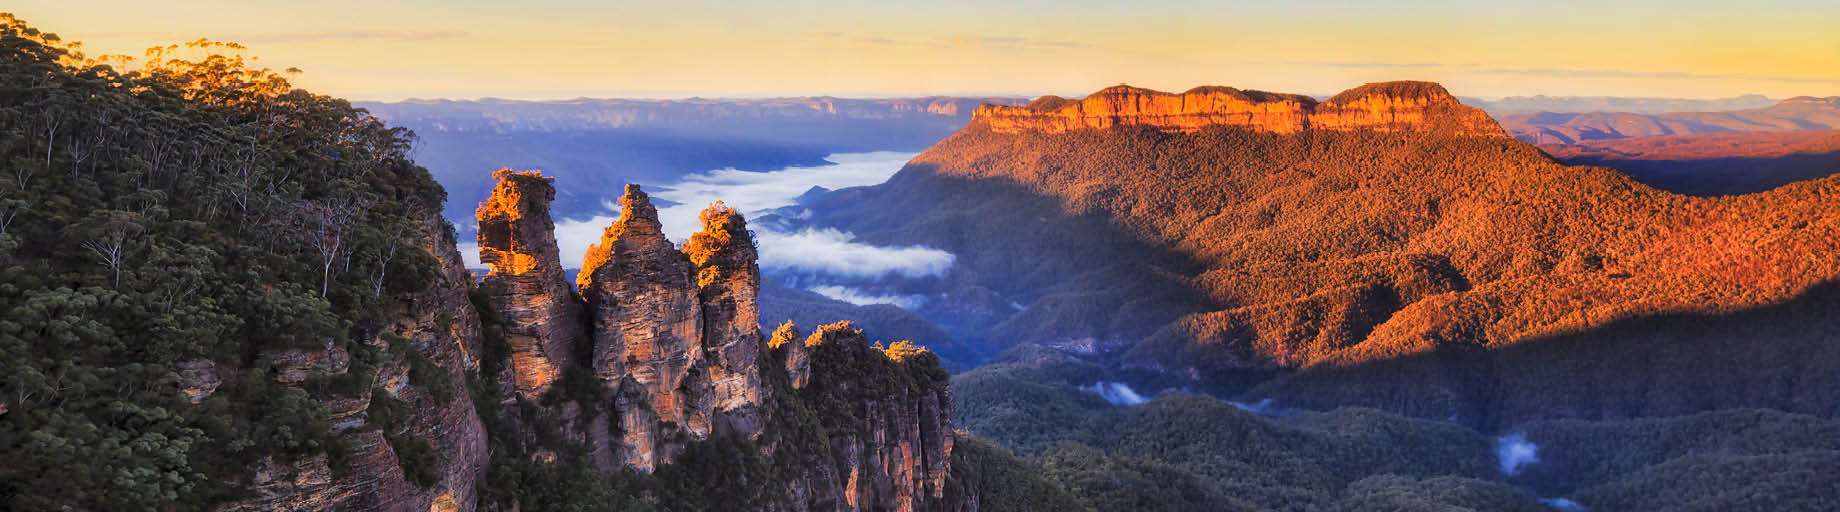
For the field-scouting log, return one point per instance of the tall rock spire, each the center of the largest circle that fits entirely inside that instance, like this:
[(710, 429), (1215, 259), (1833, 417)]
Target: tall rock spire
[(526, 284), (648, 338), (729, 283)]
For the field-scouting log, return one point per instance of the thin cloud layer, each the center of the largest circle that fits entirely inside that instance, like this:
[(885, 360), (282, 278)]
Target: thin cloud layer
[(862, 298), (816, 251), (834, 252)]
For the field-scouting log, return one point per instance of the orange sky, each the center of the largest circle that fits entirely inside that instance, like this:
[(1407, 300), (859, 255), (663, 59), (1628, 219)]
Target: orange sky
[(555, 49)]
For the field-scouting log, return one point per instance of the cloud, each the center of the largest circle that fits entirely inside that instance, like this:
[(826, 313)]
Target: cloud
[(821, 251), (1563, 504), (750, 192), (1514, 451), (1118, 393), (861, 298), (834, 252), (314, 37), (469, 253), (573, 236), (1264, 407)]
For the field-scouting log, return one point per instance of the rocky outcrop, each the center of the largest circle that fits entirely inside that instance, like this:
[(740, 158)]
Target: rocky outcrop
[(648, 333), (1385, 106), (1403, 106), (887, 410), (678, 351), (525, 283), (198, 379), (676, 333), (728, 282)]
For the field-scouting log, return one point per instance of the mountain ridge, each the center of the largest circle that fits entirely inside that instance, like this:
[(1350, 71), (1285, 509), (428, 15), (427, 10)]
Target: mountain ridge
[(1331, 247), (1384, 106)]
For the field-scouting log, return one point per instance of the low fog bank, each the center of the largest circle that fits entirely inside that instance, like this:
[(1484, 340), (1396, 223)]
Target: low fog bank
[(1514, 451), (808, 252), (1118, 393)]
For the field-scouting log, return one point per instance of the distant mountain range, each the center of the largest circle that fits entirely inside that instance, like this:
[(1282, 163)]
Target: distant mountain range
[(599, 145), (1542, 103), (1713, 163), (1557, 127)]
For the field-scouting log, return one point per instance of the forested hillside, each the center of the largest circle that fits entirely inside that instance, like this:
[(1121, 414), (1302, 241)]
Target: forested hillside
[(174, 232)]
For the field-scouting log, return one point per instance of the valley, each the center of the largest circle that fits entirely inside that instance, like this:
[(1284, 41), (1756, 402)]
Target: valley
[(223, 291)]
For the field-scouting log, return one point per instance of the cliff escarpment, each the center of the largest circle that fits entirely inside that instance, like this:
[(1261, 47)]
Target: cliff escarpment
[(1386, 106)]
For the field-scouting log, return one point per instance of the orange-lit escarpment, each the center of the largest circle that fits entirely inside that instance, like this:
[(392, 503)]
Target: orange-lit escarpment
[(1383, 106)]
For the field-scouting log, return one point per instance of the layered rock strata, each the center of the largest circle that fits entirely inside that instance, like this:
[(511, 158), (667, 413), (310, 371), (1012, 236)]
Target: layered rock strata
[(676, 333), (542, 318), (648, 333), (677, 348), (1387, 106), (728, 285)]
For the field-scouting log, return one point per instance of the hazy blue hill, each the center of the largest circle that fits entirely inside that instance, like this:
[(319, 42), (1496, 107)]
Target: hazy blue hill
[(1640, 105), (602, 144)]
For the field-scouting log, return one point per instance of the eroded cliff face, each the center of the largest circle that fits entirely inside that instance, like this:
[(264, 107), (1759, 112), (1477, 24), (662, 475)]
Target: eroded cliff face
[(439, 325), (676, 334), (525, 283), (648, 333), (888, 415), (728, 282), (1385, 106)]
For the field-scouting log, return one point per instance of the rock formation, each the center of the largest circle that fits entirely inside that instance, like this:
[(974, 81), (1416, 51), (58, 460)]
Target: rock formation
[(525, 284), (1386, 106), (648, 332), (678, 348), (676, 336), (728, 282), (888, 412)]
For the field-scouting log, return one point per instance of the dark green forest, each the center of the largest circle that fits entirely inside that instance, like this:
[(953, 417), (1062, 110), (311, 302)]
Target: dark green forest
[(1184, 451), (165, 213)]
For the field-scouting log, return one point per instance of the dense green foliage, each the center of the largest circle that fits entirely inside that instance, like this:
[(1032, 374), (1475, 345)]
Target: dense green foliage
[(188, 209), (1003, 483), (1190, 452), (1027, 405), (1108, 482), (1725, 460)]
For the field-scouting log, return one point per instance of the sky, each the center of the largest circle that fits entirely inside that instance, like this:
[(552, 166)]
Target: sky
[(545, 49)]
